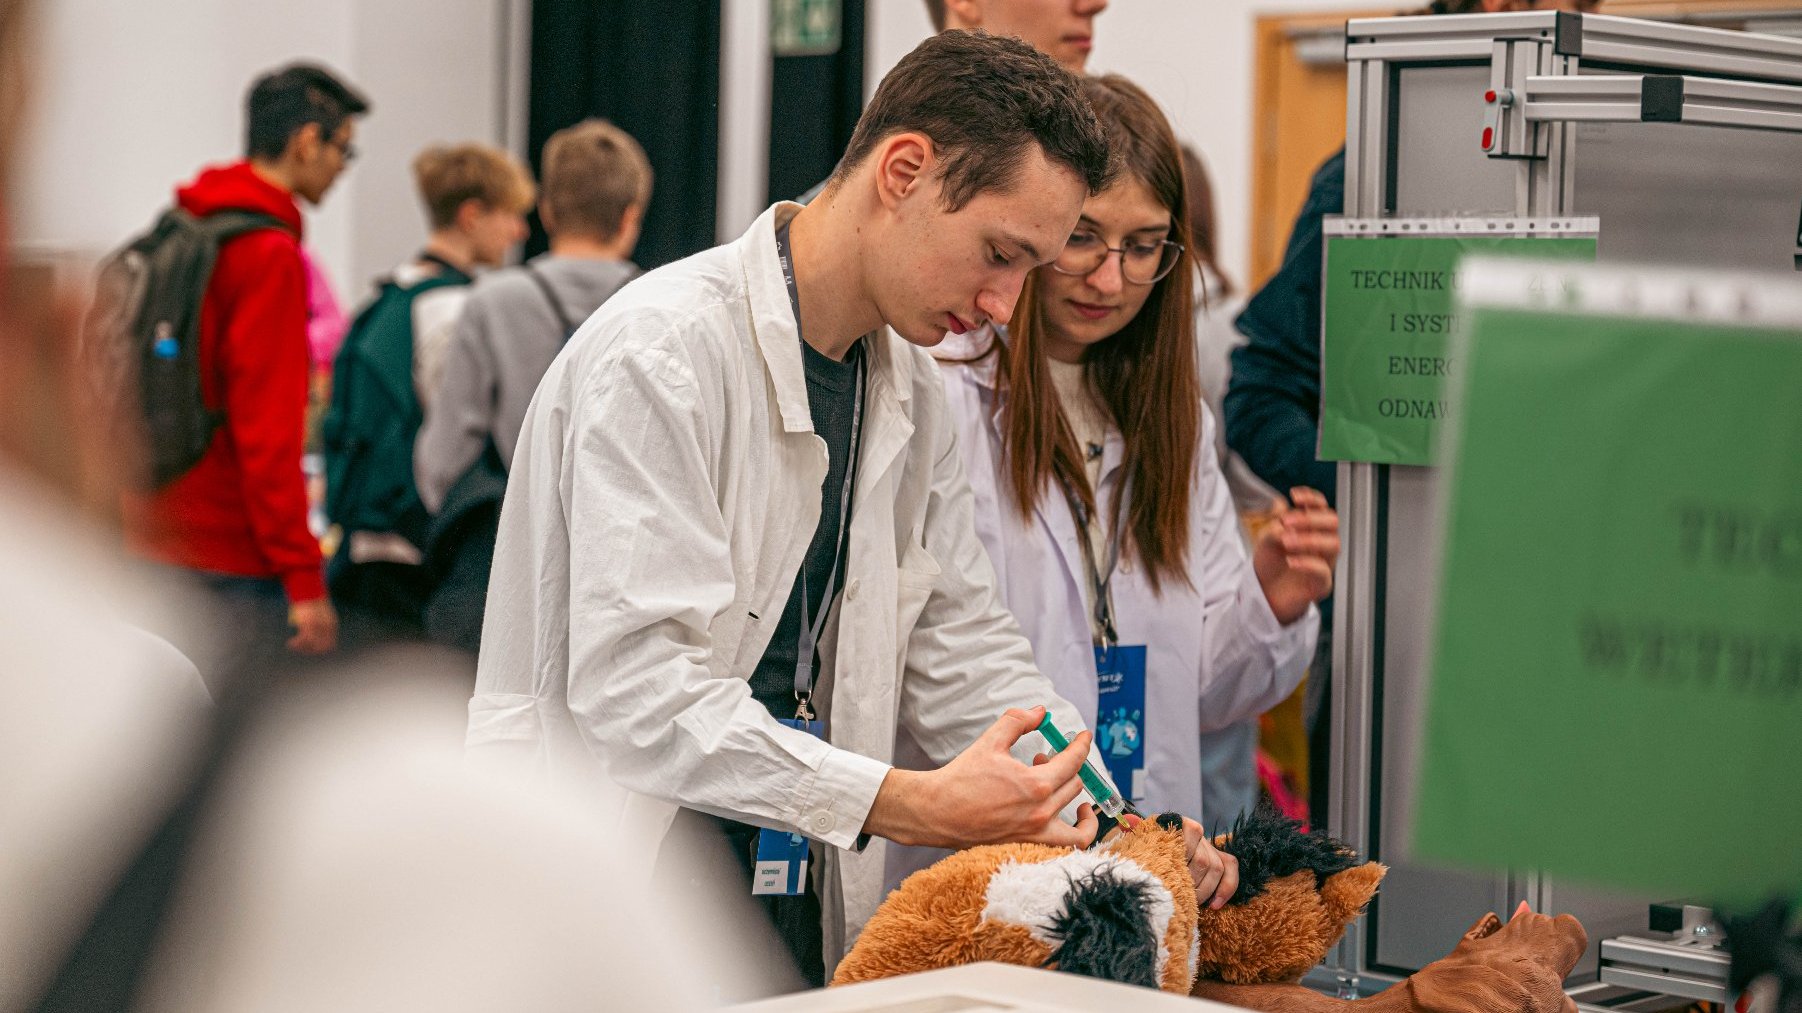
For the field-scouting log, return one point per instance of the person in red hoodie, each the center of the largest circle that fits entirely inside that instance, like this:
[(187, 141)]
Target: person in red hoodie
[(237, 521)]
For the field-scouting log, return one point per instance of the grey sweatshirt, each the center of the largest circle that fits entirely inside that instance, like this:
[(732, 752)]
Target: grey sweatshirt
[(505, 340)]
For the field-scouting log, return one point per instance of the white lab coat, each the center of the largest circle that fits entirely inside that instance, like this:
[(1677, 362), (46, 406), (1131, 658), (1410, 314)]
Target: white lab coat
[(1215, 654), (665, 487)]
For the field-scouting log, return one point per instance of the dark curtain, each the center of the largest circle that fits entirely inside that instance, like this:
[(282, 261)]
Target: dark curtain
[(653, 69), (814, 105)]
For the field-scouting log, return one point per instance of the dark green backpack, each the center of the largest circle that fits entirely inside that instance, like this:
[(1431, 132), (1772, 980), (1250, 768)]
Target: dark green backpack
[(375, 416)]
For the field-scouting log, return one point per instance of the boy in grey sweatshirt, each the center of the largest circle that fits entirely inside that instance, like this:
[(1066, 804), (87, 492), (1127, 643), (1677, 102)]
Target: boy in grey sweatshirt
[(595, 185)]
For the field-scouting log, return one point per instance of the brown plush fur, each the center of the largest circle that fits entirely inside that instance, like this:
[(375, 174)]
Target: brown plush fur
[(934, 919), (1279, 935), (1160, 851), (1251, 953)]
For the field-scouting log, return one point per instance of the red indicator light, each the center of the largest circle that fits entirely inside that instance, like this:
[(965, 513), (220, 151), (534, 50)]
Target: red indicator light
[(1488, 138), (1489, 96)]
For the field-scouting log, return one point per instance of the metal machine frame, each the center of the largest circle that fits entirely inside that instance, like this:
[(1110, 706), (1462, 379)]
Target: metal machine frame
[(1548, 72)]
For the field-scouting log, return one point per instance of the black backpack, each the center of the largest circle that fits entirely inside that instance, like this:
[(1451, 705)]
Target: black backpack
[(143, 335)]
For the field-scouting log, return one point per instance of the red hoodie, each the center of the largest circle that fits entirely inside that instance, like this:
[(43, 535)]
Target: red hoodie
[(243, 508)]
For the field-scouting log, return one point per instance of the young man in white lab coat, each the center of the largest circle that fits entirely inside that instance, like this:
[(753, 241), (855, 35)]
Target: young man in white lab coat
[(671, 547)]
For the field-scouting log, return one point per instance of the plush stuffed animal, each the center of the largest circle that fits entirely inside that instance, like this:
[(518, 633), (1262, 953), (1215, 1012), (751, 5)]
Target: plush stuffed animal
[(1125, 910)]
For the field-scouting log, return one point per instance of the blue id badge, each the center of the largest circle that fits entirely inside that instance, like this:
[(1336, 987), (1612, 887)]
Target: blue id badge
[(780, 869), (1120, 716)]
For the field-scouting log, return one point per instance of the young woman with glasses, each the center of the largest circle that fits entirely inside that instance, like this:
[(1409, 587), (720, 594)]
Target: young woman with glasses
[(1106, 518)]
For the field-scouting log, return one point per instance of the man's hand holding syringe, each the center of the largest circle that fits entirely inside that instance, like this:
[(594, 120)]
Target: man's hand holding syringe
[(985, 796)]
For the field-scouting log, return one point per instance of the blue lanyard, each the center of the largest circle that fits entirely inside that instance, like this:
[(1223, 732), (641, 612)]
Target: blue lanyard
[(807, 638)]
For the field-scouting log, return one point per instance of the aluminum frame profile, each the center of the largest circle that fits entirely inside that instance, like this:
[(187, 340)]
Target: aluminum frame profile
[(1462, 37), (1668, 957), (1704, 101), (1367, 161), (1655, 44), (1511, 63), (1596, 39), (1568, 45)]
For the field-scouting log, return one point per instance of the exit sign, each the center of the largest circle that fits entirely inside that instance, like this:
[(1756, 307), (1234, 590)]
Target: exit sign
[(804, 27)]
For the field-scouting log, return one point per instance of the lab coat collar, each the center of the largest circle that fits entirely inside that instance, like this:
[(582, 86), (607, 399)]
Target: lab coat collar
[(967, 350), (773, 320), (773, 317)]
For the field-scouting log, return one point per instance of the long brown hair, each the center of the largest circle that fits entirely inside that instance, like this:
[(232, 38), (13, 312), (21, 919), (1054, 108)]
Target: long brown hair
[(1145, 373), (1203, 231)]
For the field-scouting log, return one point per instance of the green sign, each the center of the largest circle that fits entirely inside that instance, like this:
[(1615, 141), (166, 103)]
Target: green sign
[(1389, 320), (804, 27), (1616, 684)]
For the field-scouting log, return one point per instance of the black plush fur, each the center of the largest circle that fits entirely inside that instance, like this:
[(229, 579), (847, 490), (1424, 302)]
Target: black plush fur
[(1270, 846), (1105, 931)]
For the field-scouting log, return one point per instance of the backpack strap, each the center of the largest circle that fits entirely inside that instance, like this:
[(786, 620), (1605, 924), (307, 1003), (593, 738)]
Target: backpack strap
[(451, 272), (550, 296), (229, 224)]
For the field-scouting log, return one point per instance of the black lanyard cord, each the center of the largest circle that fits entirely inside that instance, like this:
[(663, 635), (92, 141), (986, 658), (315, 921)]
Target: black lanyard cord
[(807, 638), (1101, 577)]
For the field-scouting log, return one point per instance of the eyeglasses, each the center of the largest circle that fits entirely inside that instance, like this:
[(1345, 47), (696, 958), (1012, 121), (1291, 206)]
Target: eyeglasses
[(346, 150), (1142, 263)]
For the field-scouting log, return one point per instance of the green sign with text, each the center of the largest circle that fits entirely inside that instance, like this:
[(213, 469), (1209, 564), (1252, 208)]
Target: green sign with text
[(1389, 319), (805, 27), (1616, 681)]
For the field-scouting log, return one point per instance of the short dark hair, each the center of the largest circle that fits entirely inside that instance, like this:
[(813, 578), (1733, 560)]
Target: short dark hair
[(984, 99), (284, 101)]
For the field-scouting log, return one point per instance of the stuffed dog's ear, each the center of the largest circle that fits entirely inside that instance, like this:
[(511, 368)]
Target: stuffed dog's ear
[(1344, 895)]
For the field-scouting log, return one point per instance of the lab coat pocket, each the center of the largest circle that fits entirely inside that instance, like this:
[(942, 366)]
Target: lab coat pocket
[(916, 577)]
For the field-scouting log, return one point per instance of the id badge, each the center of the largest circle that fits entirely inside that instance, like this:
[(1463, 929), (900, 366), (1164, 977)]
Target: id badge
[(1120, 716), (780, 868)]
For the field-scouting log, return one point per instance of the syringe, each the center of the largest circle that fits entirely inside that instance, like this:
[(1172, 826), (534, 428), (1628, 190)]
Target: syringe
[(1106, 798)]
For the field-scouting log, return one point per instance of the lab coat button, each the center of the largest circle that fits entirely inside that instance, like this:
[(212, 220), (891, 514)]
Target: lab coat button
[(823, 823), (851, 589)]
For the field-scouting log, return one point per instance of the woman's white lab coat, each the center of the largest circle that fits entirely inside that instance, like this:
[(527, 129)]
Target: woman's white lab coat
[(1215, 653), (664, 490)]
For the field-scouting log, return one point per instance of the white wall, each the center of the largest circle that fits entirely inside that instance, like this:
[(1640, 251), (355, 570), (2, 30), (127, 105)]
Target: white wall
[(1193, 56), (134, 97)]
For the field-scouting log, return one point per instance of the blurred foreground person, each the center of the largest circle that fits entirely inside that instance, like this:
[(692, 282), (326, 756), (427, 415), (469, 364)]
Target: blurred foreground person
[(285, 849)]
